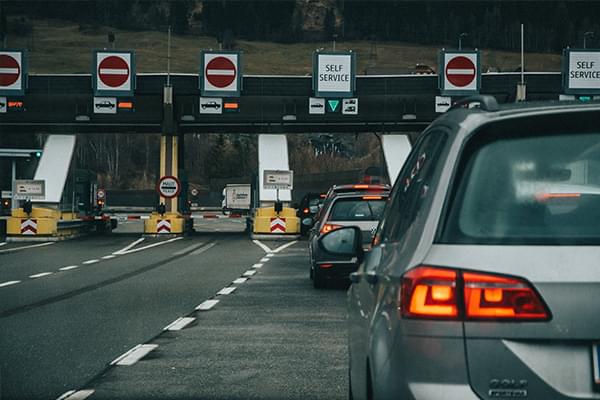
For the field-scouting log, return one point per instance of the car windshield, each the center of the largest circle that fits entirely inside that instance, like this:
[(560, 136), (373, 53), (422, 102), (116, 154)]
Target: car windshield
[(357, 209), (528, 190)]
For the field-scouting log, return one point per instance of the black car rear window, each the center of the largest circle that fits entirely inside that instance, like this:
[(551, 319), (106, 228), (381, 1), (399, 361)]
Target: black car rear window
[(542, 189), (357, 209)]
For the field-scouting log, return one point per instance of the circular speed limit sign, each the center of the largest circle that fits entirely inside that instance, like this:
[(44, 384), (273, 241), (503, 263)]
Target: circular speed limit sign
[(169, 187), (100, 193)]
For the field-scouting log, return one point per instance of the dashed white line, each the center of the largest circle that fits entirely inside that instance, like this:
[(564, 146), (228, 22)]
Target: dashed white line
[(179, 324), (270, 255), (226, 291), (240, 280), (108, 257), (68, 268), (76, 395), (9, 283), (264, 259), (27, 247), (250, 272), (40, 275), (257, 266), (2, 244), (207, 305), (262, 246), (134, 355), (88, 262)]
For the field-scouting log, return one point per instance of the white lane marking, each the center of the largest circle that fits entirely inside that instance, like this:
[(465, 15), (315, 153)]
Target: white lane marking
[(2, 244), (9, 283), (203, 249), (187, 249), (76, 395), (270, 255), (27, 247), (227, 290), (108, 257), (257, 266), (179, 324), (129, 246), (148, 246), (285, 246), (134, 355), (207, 305), (70, 267), (88, 262), (262, 246), (250, 272), (240, 280), (40, 275), (264, 259)]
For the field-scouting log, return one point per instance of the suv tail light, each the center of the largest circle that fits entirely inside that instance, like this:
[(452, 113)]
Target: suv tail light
[(443, 293), (329, 227)]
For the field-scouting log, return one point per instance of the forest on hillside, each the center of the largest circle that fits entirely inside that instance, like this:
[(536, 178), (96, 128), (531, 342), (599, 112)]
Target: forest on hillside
[(550, 25)]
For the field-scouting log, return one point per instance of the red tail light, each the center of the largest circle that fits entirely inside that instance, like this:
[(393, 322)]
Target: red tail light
[(306, 211), (329, 227), (441, 293)]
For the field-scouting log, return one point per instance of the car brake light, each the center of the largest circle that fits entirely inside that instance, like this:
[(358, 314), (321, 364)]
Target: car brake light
[(372, 197), (361, 186), (442, 293), (329, 227), (306, 211), (498, 297), (429, 292)]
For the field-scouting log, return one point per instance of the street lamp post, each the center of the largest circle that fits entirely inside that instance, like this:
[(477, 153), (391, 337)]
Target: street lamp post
[(585, 36), (460, 37)]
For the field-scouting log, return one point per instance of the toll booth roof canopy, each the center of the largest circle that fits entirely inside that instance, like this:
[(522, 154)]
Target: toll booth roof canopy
[(272, 155), (53, 167)]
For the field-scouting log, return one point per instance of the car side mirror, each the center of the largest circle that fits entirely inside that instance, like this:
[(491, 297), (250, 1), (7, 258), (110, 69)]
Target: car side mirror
[(308, 222), (346, 241), (313, 209)]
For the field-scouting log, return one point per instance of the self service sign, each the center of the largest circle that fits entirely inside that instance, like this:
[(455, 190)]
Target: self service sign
[(334, 74), (581, 71)]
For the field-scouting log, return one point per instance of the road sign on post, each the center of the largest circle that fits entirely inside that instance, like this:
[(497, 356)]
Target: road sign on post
[(24, 189), (168, 187), (220, 73), (460, 73), (13, 72), (334, 74), (581, 71), (113, 73), (279, 180)]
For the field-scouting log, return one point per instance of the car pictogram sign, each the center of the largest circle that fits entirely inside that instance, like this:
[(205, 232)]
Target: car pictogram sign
[(114, 73), (12, 72), (220, 74), (460, 73)]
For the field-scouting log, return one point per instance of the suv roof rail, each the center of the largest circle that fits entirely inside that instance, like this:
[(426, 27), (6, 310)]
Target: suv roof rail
[(485, 102)]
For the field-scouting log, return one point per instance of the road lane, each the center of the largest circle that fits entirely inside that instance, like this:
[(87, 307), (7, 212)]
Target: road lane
[(107, 308), (274, 337)]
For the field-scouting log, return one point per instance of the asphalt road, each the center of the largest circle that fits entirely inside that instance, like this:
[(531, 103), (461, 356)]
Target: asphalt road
[(70, 309)]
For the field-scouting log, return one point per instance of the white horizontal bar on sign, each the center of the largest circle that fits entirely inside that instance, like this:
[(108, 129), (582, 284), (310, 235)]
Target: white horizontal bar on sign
[(207, 305), (460, 71), (113, 71), (227, 290), (227, 72), (134, 355), (179, 324)]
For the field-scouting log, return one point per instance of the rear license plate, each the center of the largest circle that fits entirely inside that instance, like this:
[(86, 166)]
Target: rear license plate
[(596, 360)]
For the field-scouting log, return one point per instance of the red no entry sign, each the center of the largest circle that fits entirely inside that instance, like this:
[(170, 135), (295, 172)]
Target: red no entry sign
[(460, 71), (220, 72), (113, 71), (10, 70)]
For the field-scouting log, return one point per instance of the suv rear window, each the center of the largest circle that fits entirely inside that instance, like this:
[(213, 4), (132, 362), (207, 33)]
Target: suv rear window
[(528, 190), (357, 209)]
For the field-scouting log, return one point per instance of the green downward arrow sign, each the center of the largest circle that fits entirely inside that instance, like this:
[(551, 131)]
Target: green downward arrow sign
[(333, 104)]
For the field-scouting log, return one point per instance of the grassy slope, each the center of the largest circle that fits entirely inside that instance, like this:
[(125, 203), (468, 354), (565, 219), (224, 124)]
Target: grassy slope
[(59, 47)]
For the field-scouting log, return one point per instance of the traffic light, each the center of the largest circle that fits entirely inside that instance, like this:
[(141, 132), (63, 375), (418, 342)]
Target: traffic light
[(27, 207)]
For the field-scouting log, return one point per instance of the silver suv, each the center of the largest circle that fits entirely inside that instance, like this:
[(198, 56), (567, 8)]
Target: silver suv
[(484, 275)]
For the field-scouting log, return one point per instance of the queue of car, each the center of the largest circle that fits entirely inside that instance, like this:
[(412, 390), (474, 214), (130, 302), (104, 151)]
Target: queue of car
[(482, 278)]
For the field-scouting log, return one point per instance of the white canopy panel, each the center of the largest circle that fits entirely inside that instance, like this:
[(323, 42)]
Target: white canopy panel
[(54, 165), (395, 150), (272, 155)]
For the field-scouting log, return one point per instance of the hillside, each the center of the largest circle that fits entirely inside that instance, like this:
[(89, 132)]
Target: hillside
[(57, 46)]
